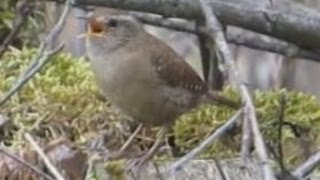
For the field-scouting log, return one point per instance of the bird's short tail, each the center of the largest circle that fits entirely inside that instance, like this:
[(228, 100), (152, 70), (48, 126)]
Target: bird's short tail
[(215, 98)]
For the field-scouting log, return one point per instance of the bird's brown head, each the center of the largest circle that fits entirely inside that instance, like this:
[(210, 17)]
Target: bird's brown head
[(113, 31)]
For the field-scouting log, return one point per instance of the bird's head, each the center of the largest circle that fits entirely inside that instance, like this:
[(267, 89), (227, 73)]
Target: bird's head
[(113, 31)]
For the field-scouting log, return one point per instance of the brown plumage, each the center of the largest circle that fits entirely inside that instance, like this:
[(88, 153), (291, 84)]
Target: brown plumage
[(141, 74)]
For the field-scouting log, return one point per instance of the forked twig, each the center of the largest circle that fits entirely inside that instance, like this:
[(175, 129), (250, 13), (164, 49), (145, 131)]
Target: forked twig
[(42, 57), (216, 135), (43, 156), (216, 33), (308, 166), (25, 163)]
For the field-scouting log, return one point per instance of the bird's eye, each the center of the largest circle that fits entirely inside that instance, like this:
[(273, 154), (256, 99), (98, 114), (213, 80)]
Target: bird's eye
[(112, 23)]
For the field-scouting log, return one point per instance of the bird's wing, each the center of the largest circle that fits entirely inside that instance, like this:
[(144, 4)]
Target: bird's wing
[(176, 72), (172, 68)]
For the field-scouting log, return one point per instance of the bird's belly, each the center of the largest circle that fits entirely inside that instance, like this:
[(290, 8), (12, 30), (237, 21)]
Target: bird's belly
[(145, 105), (153, 106), (141, 96)]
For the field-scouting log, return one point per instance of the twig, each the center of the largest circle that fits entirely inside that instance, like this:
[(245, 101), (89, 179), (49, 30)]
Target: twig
[(43, 60), (24, 8), (89, 169), (246, 141), (127, 144), (279, 139), (55, 31), (276, 20), (235, 35), (42, 57), (220, 169), (308, 166), (215, 30), (43, 156), (25, 163), (216, 135), (210, 62), (131, 138), (205, 49)]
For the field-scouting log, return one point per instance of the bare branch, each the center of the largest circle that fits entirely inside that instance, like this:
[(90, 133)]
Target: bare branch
[(43, 156), (24, 8), (42, 57), (285, 20), (217, 35), (126, 145), (220, 170), (210, 62), (246, 140), (280, 126), (53, 34), (216, 135), (235, 35), (253, 40), (308, 166), (25, 163)]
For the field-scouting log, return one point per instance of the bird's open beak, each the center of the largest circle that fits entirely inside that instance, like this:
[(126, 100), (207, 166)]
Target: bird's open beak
[(95, 28)]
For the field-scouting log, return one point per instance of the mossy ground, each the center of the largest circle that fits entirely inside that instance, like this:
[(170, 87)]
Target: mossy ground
[(62, 100), (299, 132)]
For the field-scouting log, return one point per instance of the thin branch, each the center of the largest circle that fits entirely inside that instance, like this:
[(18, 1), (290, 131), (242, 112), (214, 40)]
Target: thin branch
[(280, 126), (42, 57), (262, 42), (171, 23), (246, 140), (217, 35), (43, 60), (220, 169), (204, 48), (216, 135), (25, 163), (53, 34), (43, 156), (131, 138), (126, 145), (283, 19), (24, 8), (90, 169), (210, 62), (235, 35), (308, 166)]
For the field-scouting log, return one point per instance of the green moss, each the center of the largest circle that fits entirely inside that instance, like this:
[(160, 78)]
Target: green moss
[(301, 110), (115, 169), (62, 101), (195, 126)]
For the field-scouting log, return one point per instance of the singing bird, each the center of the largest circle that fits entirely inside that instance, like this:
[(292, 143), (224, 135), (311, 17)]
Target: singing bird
[(142, 75)]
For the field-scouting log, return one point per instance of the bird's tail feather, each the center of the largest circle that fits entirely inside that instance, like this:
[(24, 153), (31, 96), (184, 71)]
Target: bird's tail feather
[(216, 98)]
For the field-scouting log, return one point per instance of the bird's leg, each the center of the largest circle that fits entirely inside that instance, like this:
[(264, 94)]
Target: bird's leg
[(127, 144), (135, 166)]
